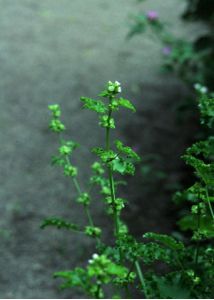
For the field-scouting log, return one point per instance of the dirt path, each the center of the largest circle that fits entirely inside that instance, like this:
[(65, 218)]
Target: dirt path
[(56, 51)]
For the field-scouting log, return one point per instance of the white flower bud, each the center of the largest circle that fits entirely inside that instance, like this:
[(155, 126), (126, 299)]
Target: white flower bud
[(111, 88), (90, 261), (197, 86), (203, 90), (117, 83), (119, 89), (95, 256)]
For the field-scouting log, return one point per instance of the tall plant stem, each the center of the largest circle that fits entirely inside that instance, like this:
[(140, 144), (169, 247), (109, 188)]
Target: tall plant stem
[(197, 245), (79, 191), (141, 278), (209, 204), (110, 173), (87, 211), (86, 208)]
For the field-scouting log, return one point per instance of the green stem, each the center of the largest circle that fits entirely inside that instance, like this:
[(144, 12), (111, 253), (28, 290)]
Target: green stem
[(141, 278), (98, 292), (209, 204), (179, 261), (113, 197), (86, 208), (77, 186), (87, 211), (110, 173), (197, 245), (89, 216), (128, 295)]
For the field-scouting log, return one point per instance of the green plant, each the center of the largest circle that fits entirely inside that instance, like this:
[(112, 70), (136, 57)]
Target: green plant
[(193, 60), (187, 266)]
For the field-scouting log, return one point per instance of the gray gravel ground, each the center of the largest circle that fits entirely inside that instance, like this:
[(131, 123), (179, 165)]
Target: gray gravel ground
[(56, 51)]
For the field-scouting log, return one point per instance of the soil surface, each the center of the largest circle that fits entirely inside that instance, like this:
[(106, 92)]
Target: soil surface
[(54, 52)]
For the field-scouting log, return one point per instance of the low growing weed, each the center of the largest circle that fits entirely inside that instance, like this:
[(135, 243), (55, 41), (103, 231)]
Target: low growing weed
[(188, 263)]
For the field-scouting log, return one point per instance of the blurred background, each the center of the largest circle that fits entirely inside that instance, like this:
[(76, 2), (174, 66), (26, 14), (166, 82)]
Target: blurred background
[(55, 51)]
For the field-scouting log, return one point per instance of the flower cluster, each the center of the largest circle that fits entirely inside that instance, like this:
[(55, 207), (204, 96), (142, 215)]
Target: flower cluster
[(200, 88), (114, 87), (55, 124), (94, 257)]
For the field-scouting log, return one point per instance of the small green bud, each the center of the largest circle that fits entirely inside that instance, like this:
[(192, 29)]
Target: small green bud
[(65, 150), (106, 122), (55, 109), (84, 199), (202, 208), (70, 170), (105, 190), (190, 273), (97, 167), (123, 229), (196, 280), (194, 209), (119, 204), (92, 231), (56, 125), (197, 236), (114, 105)]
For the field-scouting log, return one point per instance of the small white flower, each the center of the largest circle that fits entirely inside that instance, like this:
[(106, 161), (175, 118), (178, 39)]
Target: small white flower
[(203, 90), (197, 86), (111, 88), (200, 88), (95, 256), (117, 83), (110, 82), (119, 89), (90, 261)]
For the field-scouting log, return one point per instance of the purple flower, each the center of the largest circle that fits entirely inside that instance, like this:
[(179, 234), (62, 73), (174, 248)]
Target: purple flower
[(152, 15), (167, 50)]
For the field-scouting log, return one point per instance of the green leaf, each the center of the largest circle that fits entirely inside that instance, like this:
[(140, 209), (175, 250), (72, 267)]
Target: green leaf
[(190, 222), (126, 150), (105, 156), (203, 170), (126, 103), (206, 106), (203, 147), (96, 105), (165, 240), (76, 277), (171, 289), (122, 166)]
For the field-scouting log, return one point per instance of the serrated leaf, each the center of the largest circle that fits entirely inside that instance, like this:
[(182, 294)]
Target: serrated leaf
[(122, 166), (105, 156), (203, 170), (126, 150), (165, 240), (95, 105), (171, 289), (190, 222), (126, 103), (76, 277)]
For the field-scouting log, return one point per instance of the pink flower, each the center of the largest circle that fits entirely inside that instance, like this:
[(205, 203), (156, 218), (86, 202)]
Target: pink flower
[(152, 15), (167, 50)]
